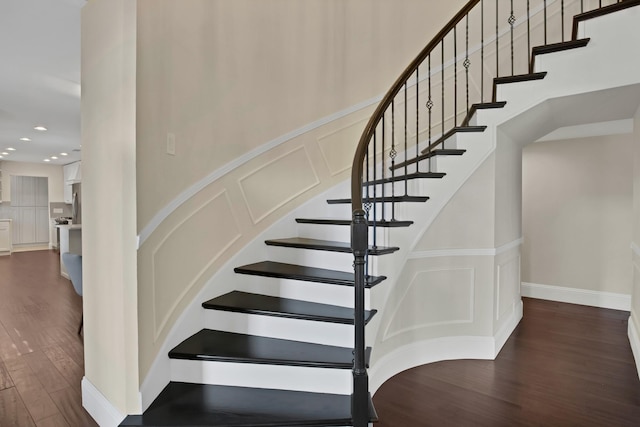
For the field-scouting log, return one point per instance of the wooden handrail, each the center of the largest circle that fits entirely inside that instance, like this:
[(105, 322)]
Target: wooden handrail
[(367, 134)]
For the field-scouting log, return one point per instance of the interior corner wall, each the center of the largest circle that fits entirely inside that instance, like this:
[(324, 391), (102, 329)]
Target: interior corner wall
[(577, 213), (109, 203)]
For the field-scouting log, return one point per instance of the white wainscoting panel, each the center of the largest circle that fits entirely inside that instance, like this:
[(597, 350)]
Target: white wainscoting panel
[(208, 244), (277, 182), (434, 297)]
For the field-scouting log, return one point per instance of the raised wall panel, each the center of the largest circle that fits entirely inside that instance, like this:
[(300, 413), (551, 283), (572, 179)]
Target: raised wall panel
[(338, 147), (508, 286), (274, 184), (433, 298), (205, 234)]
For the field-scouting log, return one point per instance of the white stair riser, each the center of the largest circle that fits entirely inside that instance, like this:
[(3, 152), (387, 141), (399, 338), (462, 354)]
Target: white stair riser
[(298, 378), (336, 334), (296, 289)]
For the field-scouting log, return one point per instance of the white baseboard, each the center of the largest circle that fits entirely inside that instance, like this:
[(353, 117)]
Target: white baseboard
[(634, 340), (577, 296), (98, 406), (509, 326)]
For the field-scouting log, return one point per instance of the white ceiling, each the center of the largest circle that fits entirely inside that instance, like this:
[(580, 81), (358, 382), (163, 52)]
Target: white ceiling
[(40, 79)]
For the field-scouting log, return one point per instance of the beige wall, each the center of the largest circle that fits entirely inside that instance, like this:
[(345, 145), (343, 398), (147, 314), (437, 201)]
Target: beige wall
[(577, 213), (109, 202), (226, 77), (52, 172)]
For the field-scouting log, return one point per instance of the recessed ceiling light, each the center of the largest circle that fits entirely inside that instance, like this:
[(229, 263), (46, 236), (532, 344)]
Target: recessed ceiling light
[(11, 149), (1, 157), (25, 139), (63, 154), (54, 158), (4, 153), (40, 128), (47, 160)]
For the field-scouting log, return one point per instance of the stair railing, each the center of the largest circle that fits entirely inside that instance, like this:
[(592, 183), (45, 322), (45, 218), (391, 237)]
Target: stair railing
[(448, 81)]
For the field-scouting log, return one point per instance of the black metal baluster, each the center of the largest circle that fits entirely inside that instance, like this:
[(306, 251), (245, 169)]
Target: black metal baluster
[(417, 118), (481, 51), (429, 104), (442, 74), (545, 22), (497, 43), (562, 17), (455, 76), (382, 173), (581, 6), (375, 189), (406, 149), (466, 62), (393, 153), (512, 20), (529, 37)]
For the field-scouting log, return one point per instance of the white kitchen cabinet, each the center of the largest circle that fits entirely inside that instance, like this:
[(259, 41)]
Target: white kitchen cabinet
[(5, 237), (42, 224), (71, 174)]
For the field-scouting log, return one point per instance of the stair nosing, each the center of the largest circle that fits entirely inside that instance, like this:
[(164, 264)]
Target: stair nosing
[(330, 246), (371, 280), (369, 314), (185, 355)]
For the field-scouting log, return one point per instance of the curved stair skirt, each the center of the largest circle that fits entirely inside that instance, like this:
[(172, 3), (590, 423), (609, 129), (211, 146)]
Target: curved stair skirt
[(634, 340), (519, 100), (443, 348)]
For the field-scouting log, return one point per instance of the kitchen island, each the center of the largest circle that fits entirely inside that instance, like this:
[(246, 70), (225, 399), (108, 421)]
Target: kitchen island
[(5, 237), (70, 241)]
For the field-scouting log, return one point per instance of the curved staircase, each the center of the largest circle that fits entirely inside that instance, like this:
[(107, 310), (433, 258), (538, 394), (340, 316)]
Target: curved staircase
[(225, 377)]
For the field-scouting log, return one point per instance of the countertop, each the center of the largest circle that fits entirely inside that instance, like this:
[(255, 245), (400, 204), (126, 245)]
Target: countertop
[(69, 227)]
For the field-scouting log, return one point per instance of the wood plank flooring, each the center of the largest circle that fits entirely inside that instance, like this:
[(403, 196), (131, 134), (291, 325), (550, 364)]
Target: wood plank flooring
[(41, 354), (565, 365)]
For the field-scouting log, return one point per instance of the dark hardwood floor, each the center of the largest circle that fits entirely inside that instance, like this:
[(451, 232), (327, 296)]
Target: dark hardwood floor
[(41, 354), (565, 365)]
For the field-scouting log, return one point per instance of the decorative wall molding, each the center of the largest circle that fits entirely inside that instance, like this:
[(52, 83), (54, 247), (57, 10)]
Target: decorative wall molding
[(160, 324), (507, 286), (99, 407), (464, 284), (634, 340), (270, 183), (465, 252), (577, 296)]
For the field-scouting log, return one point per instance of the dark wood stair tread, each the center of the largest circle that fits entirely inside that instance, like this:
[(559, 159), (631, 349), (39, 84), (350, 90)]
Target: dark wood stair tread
[(186, 404), (481, 106), (450, 133), (326, 245), (556, 47), (417, 175), (244, 302), (301, 272), (338, 221), (221, 346), (516, 79), (386, 199), (428, 155)]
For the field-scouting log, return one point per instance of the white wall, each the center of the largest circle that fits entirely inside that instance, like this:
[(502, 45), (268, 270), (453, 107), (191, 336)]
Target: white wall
[(577, 213)]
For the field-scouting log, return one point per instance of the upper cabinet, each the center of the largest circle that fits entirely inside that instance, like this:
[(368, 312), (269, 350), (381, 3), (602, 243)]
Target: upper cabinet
[(72, 174)]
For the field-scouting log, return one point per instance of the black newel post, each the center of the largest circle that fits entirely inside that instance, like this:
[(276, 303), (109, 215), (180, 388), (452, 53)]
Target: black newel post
[(360, 397)]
